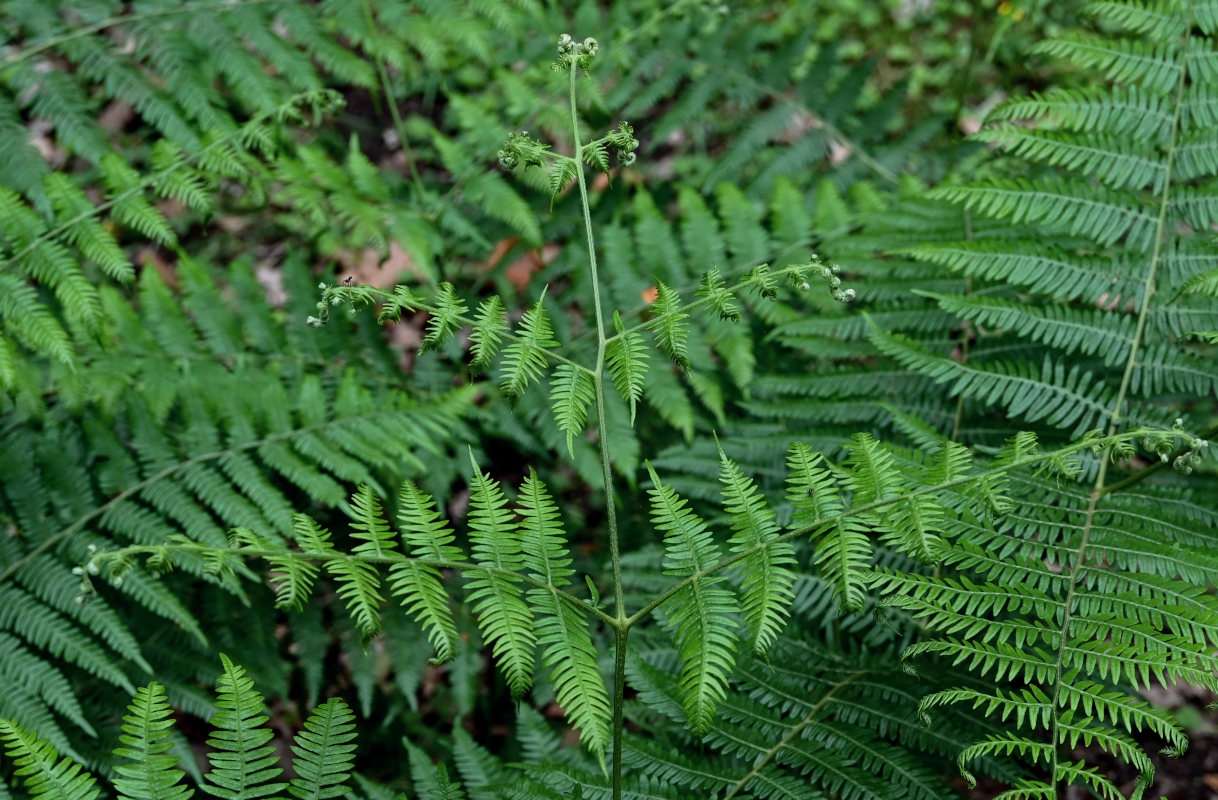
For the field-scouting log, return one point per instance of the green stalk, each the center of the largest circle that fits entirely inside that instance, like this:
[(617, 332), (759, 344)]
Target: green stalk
[(1115, 414), (621, 626)]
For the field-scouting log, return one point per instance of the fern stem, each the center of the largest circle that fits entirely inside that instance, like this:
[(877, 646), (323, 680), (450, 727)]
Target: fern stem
[(398, 125), (793, 734), (619, 623), (1114, 415)]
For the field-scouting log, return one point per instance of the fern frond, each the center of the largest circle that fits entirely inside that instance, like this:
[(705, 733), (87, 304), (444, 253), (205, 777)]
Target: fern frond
[(448, 308), (1107, 158), (419, 585), (626, 358), (1043, 268), (670, 327), (525, 358), (1150, 65), (720, 300), (562, 628), (1103, 215), (358, 581), (503, 617), (766, 577), (571, 394), (323, 752), (843, 550), (242, 759), (1066, 398), (490, 326), (35, 762), (699, 614), (154, 775)]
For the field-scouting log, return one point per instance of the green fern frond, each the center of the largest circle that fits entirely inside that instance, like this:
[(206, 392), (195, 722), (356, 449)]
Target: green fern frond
[(445, 319), (369, 527), (1146, 64), (1067, 398), (1121, 111), (670, 327), (242, 759), (1103, 215), (323, 752), (562, 628), (525, 358), (1092, 332), (35, 762), (359, 587), (700, 613), (419, 585), (843, 549), (701, 236), (720, 300), (626, 359), (503, 617), (1044, 268), (154, 775), (571, 395), (490, 326), (562, 173), (766, 577), (294, 577), (1107, 158)]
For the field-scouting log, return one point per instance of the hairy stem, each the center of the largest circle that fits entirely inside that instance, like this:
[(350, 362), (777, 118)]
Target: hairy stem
[(620, 625), (126, 554)]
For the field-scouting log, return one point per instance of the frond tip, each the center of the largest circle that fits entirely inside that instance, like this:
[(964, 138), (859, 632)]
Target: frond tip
[(154, 773), (323, 752)]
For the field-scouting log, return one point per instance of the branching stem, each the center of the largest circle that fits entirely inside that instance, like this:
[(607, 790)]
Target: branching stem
[(619, 623)]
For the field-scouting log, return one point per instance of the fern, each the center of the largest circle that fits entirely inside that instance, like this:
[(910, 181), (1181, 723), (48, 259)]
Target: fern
[(323, 753), (36, 763), (524, 358), (700, 612), (496, 544), (242, 761), (154, 774), (1031, 582)]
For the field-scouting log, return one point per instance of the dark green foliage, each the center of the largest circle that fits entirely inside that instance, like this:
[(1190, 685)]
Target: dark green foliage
[(182, 402)]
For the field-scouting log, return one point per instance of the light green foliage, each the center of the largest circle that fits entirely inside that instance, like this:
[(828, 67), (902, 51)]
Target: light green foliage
[(184, 403), (241, 758), (242, 761), (700, 614), (152, 773)]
